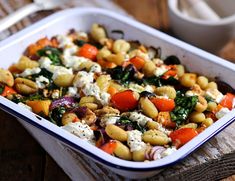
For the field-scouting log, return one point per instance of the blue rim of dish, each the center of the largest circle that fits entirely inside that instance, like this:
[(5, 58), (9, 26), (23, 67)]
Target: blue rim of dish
[(99, 159)]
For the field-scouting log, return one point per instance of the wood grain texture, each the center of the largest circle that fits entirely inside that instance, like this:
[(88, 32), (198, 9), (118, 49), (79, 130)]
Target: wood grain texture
[(22, 158)]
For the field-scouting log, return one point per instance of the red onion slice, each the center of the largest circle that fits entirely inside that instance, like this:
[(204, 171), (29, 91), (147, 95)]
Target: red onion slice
[(61, 102)]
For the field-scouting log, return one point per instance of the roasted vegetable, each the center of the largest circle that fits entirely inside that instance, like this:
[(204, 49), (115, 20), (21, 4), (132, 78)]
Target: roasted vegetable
[(52, 53), (184, 105)]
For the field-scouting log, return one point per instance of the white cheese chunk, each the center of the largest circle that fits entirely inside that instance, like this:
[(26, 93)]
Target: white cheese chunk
[(136, 87), (91, 90), (42, 82), (191, 93), (140, 118), (96, 68), (55, 94), (64, 41), (28, 72), (83, 78), (108, 119), (149, 88), (134, 140), (222, 112), (73, 61), (168, 151), (70, 50), (44, 62), (160, 70), (104, 98), (59, 70), (94, 90), (215, 94), (72, 91), (82, 35), (81, 130)]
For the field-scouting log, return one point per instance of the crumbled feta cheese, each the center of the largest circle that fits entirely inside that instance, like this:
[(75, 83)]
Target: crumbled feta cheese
[(25, 106), (55, 94), (160, 70), (91, 90), (168, 151), (222, 112), (126, 57), (214, 94), (81, 130), (140, 118), (162, 129), (72, 91), (136, 87), (42, 82), (83, 78), (152, 53), (28, 72), (94, 90), (191, 93), (64, 41), (83, 35), (71, 50), (134, 140), (59, 70), (73, 61), (149, 88), (104, 98), (95, 68), (44, 62), (108, 119)]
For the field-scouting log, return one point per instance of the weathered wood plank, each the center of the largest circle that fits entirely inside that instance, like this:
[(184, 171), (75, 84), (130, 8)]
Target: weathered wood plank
[(53, 172), (21, 158)]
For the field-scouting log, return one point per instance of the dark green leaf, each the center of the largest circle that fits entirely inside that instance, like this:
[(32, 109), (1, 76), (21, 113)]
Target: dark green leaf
[(1, 88), (184, 106), (56, 115), (123, 75), (35, 96), (129, 125), (52, 53), (79, 42), (209, 99), (153, 81), (44, 72)]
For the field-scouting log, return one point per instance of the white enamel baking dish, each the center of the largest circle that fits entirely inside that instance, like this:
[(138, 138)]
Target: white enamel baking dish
[(195, 59)]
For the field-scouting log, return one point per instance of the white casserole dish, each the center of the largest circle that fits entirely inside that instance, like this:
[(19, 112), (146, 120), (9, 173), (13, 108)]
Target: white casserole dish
[(44, 131)]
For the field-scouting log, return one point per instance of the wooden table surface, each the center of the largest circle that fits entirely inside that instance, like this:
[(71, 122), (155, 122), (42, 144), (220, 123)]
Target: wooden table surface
[(22, 158)]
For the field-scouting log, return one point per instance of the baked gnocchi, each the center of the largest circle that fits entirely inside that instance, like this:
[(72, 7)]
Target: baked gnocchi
[(121, 96)]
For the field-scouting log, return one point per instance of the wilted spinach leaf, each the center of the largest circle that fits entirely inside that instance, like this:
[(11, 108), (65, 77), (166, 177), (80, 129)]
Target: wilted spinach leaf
[(153, 81), (52, 53), (184, 106), (127, 124), (158, 81), (79, 42), (124, 75), (56, 115), (2, 87)]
